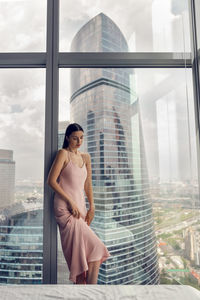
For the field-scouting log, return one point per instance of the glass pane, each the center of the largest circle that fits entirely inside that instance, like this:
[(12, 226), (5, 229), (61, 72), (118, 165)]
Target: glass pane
[(23, 25), (21, 175), (139, 130), (144, 26), (197, 10)]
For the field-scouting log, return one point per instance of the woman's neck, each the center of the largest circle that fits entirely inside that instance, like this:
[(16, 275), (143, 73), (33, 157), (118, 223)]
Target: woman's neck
[(75, 151)]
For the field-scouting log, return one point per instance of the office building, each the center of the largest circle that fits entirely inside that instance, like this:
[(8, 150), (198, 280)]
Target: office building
[(101, 103), (7, 175)]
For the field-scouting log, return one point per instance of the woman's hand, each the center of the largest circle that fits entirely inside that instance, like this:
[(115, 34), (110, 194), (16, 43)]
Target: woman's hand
[(90, 215), (74, 209)]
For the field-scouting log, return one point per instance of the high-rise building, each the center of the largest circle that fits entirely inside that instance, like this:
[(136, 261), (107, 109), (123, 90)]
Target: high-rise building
[(61, 132), (21, 239), (101, 102), (7, 178), (192, 245)]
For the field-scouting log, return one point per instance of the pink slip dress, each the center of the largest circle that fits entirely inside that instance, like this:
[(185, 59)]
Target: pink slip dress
[(79, 242)]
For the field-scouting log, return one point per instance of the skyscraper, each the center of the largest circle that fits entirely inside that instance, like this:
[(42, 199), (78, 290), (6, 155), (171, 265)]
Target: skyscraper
[(62, 125), (101, 103), (21, 239), (7, 178)]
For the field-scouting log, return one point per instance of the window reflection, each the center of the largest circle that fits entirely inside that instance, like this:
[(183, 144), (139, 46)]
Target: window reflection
[(165, 26)]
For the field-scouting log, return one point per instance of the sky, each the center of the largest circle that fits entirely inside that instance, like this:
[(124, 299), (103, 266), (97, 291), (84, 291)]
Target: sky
[(148, 25)]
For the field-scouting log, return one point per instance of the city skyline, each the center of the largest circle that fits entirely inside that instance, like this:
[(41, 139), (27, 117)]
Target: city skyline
[(159, 143), (23, 91)]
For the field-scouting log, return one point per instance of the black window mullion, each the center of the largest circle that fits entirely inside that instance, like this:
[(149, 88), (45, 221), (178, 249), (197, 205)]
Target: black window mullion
[(51, 132)]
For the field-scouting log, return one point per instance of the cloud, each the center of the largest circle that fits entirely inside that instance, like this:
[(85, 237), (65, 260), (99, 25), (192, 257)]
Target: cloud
[(22, 119), (133, 17), (22, 92), (72, 18), (22, 26)]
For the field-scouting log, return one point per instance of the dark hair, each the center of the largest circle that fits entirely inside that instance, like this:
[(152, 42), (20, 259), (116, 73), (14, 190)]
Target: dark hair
[(71, 128)]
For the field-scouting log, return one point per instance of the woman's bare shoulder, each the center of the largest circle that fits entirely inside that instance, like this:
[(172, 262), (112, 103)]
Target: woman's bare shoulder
[(62, 153)]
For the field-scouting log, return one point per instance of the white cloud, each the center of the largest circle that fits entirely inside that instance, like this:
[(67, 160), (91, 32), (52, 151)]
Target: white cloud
[(133, 17), (23, 26), (22, 92), (22, 99)]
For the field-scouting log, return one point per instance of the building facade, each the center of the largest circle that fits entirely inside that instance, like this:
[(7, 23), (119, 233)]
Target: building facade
[(102, 103), (21, 240), (7, 178), (62, 125)]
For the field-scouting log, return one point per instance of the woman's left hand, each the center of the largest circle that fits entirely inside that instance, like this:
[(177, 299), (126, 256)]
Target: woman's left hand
[(90, 215)]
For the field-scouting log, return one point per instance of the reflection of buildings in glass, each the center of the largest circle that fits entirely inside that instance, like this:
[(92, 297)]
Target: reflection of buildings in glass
[(170, 19), (7, 178), (167, 139), (61, 132), (173, 22), (175, 128), (100, 102), (21, 238)]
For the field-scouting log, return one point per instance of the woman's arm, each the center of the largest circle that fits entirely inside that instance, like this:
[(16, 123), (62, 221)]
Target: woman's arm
[(88, 181), (55, 172)]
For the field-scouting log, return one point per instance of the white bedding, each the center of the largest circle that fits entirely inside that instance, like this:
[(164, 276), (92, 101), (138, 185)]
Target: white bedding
[(98, 292)]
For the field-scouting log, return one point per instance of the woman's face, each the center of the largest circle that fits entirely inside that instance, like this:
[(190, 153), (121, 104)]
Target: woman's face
[(76, 139)]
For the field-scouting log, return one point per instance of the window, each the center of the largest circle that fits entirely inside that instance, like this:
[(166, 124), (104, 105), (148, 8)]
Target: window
[(21, 173), (134, 87)]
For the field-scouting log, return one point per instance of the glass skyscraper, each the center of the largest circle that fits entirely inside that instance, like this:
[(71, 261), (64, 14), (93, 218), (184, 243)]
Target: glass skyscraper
[(103, 103), (21, 228), (7, 175), (21, 243)]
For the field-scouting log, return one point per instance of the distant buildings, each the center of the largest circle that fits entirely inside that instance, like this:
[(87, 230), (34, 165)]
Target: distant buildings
[(21, 230), (192, 245), (21, 240), (7, 178), (176, 194)]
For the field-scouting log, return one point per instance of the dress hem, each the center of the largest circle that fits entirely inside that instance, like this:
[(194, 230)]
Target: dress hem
[(71, 278)]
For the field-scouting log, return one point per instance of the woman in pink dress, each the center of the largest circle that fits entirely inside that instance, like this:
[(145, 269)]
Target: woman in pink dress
[(70, 176)]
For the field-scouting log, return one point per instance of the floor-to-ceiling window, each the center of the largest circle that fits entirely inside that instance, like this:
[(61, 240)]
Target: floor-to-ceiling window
[(22, 118), (128, 81)]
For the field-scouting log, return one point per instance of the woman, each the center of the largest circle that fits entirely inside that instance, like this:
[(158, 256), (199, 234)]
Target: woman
[(70, 176)]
